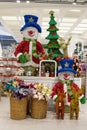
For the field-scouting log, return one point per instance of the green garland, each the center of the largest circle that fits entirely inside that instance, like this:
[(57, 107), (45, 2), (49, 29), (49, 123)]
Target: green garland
[(34, 52), (68, 87)]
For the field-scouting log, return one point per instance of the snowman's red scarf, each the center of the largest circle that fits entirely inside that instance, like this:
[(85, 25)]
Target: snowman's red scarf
[(34, 52)]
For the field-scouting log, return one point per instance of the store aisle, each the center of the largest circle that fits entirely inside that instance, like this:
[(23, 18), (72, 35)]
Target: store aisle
[(49, 123)]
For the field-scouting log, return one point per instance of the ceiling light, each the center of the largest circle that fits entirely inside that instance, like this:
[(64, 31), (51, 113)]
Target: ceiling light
[(18, 1), (64, 28), (82, 25), (80, 29), (75, 10), (74, 3), (9, 17), (77, 32), (27, 1), (65, 24), (84, 21), (19, 18), (69, 20)]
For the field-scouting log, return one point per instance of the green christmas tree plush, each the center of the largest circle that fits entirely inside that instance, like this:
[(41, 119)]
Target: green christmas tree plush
[(53, 45)]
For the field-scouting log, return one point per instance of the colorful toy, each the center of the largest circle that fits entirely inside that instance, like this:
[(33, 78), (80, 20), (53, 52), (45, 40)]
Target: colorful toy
[(64, 45), (74, 106), (77, 66), (30, 49), (53, 46), (60, 104), (66, 83)]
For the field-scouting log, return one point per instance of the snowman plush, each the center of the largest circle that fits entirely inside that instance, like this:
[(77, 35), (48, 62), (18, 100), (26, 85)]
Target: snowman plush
[(30, 49), (66, 83)]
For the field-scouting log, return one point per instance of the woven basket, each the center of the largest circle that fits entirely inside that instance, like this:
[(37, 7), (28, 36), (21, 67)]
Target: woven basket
[(18, 108), (38, 108)]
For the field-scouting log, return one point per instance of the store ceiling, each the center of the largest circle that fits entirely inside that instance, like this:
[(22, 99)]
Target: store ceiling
[(50, 1), (72, 19)]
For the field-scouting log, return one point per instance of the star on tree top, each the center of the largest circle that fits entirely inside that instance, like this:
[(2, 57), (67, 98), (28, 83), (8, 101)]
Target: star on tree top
[(51, 12)]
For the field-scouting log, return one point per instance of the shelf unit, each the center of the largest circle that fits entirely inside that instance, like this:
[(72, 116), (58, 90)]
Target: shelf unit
[(8, 67), (49, 81)]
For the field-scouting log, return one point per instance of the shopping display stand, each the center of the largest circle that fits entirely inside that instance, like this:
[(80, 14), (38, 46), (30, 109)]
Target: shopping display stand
[(8, 68)]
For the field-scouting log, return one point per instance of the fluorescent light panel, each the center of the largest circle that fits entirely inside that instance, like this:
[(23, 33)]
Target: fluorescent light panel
[(65, 28), (75, 10), (82, 29), (19, 18), (69, 20), (9, 17), (65, 24), (82, 25), (77, 32), (84, 21)]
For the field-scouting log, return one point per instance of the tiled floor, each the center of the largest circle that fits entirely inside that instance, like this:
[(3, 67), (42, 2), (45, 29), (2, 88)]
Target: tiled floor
[(49, 123)]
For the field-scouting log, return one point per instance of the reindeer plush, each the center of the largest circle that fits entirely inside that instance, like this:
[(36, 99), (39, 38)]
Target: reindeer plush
[(64, 45), (74, 104), (60, 104)]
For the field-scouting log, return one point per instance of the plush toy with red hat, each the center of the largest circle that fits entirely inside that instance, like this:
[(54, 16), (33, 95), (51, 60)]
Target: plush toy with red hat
[(30, 48)]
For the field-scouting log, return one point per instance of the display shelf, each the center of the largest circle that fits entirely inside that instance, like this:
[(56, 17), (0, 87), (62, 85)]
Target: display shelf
[(8, 67), (49, 81), (86, 85), (85, 61)]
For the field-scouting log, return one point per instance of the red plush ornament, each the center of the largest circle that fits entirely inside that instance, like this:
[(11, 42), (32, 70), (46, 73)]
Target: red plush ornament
[(58, 58)]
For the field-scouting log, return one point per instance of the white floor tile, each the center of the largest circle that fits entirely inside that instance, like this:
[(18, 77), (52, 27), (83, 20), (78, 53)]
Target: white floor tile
[(49, 123)]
